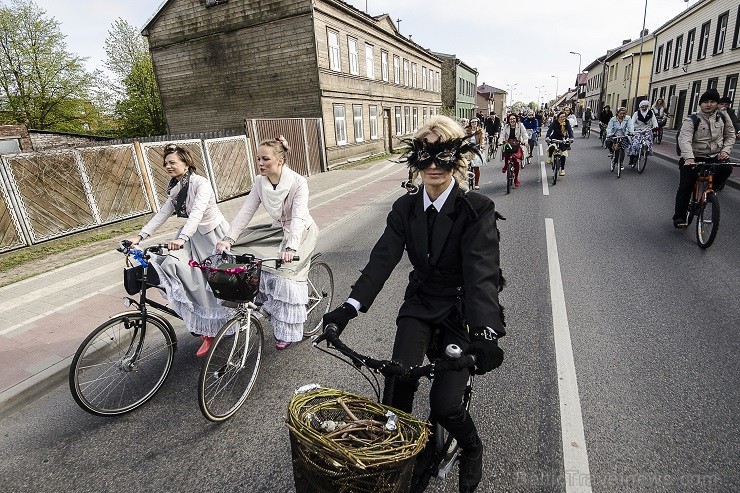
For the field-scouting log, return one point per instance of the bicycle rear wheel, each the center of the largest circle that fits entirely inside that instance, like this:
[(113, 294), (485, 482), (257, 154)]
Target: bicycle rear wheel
[(619, 155), (320, 295), (121, 365), (509, 177), (588, 131), (555, 168), (642, 159), (707, 221), (230, 368)]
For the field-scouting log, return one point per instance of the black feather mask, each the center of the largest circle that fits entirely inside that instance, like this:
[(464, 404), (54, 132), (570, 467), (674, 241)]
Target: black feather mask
[(420, 154)]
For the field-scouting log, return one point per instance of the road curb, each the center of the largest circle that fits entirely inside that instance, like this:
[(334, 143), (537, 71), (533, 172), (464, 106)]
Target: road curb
[(33, 388)]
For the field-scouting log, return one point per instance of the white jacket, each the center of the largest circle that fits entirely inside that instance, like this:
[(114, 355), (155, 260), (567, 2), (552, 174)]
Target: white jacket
[(521, 133), (200, 204)]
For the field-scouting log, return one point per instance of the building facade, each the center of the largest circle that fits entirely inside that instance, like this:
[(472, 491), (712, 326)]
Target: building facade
[(594, 75), (697, 50), (459, 82), (627, 73), (493, 97), (219, 63)]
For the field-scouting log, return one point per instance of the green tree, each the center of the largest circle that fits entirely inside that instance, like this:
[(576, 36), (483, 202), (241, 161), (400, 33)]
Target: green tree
[(41, 84), (138, 107)]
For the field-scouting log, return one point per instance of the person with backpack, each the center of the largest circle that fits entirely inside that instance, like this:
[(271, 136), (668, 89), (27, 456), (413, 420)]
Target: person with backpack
[(708, 136)]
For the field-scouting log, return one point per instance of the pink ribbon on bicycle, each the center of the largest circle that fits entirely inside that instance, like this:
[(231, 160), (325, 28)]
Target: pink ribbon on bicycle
[(229, 270)]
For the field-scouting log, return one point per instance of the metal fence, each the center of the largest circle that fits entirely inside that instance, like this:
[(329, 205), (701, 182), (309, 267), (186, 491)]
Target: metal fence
[(46, 195)]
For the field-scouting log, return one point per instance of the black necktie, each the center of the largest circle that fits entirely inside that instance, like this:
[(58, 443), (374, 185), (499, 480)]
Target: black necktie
[(431, 216)]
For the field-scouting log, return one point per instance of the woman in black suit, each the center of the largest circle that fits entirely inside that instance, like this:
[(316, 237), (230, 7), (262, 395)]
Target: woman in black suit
[(452, 297)]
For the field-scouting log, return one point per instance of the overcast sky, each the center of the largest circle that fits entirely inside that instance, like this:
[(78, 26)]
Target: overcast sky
[(522, 42)]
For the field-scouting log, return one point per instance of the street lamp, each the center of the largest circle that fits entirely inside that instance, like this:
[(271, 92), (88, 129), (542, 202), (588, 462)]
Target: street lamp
[(556, 86), (579, 59), (511, 92), (639, 62), (539, 95)]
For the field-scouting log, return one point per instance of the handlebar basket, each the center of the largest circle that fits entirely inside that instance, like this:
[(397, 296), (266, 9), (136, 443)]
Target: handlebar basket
[(341, 442), (233, 278)]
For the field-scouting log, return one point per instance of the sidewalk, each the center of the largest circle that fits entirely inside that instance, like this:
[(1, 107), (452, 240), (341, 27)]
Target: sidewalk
[(44, 319)]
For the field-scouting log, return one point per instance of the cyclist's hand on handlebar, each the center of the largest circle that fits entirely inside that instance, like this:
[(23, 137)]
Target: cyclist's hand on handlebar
[(689, 161), (175, 244), (286, 257), (133, 241), (340, 316), (723, 156), (484, 345)]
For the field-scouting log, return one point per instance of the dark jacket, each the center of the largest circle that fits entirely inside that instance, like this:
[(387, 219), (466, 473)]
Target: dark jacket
[(733, 117), (605, 116), (492, 124), (462, 271), (555, 132)]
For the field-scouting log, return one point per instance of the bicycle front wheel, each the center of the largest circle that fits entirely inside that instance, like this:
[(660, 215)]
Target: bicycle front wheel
[(230, 368), (320, 295), (642, 160), (707, 221), (121, 364), (555, 169), (619, 155)]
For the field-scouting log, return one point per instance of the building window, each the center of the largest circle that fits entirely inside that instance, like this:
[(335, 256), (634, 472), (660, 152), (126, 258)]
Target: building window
[(668, 54), (736, 38), (679, 47), (659, 59), (414, 83), (406, 119), (694, 100), (354, 65), (712, 83), (719, 38), (334, 61), (703, 40), (369, 61), (424, 114), (340, 126), (396, 69), (406, 78), (731, 87), (373, 122), (423, 77), (416, 118), (357, 122), (662, 93), (655, 95), (671, 93), (689, 46), (384, 65), (398, 120)]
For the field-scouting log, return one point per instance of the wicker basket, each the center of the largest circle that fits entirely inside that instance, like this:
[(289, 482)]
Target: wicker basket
[(354, 457)]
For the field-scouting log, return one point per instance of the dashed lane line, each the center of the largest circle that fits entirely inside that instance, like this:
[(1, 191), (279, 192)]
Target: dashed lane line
[(575, 457)]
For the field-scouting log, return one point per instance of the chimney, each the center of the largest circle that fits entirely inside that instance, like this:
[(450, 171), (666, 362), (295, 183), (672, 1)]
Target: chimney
[(644, 33), (625, 41)]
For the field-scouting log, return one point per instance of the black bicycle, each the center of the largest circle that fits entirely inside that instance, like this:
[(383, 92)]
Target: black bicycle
[(124, 361), (558, 159), (446, 450)]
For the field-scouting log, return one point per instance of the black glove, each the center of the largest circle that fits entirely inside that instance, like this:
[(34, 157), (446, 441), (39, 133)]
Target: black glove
[(340, 316), (484, 345)]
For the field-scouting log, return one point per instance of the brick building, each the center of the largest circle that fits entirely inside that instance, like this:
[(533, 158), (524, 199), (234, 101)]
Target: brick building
[(219, 62)]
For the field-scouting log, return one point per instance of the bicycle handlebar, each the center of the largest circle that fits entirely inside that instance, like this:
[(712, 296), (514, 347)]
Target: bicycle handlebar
[(717, 163), (456, 361), (556, 141)]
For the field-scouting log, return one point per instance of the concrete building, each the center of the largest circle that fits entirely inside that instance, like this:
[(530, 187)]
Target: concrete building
[(220, 62), (459, 82), (698, 49), (627, 77), (494, 99)]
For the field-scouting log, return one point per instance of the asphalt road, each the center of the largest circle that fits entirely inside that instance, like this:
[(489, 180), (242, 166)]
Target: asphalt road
[(651, 319)]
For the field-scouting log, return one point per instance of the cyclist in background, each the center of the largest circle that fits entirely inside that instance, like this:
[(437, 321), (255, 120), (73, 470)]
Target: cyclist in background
[(642, 121), (560, 129), (452, 241), (587, 118), (619, 129), (711, 141), (724, 105), (514, 136), (661, 115), (492, 124), (604, 118), (533, 127)]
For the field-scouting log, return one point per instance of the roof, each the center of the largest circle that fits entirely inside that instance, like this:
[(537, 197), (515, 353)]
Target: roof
[(684, 13), (595, 63), (484, 88), (613, 53)]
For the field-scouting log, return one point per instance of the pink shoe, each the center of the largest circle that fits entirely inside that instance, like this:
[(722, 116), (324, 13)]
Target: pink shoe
[(280, 345), (203, 350)]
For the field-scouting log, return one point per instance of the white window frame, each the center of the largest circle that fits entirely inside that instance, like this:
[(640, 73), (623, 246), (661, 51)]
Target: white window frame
[(424, 115), (340, 124), (694, 97), (357, 123), (415, 118), (704, 40), (423, 77), (354, 63), (668, 54), (335, 60), (406, 78), (719, 42), (679, 51), (396, 69), (731, 87), (373, 113), (399, 120), (369, 61), (414, 81), (406, 119), (384, 65), (690, 42)]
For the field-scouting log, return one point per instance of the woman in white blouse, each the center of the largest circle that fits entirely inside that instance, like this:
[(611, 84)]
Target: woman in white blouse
[(189, 196), (284, 195)]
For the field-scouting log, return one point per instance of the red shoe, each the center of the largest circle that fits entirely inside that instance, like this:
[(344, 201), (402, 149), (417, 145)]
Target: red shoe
[(203, 350), (516, 183), (503, 170)]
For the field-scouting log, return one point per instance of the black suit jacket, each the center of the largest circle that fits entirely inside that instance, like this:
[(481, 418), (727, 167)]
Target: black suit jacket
[(462, 270)]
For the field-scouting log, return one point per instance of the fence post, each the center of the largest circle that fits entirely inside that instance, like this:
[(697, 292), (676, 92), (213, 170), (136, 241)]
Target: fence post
[(19, 219)]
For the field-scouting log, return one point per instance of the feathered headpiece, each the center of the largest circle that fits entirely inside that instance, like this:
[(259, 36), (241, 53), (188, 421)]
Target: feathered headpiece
[(421, 153)]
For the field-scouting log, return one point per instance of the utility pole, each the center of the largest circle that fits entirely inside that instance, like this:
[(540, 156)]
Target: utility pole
[(639, 62)]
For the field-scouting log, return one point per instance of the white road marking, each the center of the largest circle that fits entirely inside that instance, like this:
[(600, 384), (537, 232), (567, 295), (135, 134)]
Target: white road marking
[(575, 456), (543, 172)]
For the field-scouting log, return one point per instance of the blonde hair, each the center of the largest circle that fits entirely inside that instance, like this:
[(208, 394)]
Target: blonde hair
[(446, 129), (279, 145)]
